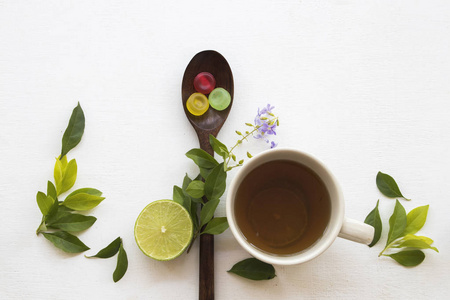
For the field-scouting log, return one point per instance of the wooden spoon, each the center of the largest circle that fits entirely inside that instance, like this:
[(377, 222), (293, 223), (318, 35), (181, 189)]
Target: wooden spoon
[(204, 125)]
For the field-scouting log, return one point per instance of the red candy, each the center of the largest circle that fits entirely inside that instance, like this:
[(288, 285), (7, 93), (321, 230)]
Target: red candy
[(204, 83)]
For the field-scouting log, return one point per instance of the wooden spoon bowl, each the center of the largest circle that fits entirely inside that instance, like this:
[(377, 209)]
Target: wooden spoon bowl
[(214, 63)]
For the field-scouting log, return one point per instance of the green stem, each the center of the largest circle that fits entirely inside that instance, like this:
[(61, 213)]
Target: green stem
[(387, 247), (193, 240), (244, 137), (41, 227)]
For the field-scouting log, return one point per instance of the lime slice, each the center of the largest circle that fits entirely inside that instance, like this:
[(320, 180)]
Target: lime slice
[(163, 230), (219, 99)]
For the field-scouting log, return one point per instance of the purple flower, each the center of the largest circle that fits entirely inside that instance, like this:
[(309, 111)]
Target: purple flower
[(265, 124), (273, 145)]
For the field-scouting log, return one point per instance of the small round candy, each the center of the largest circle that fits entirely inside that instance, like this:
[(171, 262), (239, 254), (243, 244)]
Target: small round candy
[(204, 83), (219, 99), (197, 104)]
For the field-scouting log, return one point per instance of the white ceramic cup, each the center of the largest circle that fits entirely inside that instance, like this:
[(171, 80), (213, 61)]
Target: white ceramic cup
[(338, 224)]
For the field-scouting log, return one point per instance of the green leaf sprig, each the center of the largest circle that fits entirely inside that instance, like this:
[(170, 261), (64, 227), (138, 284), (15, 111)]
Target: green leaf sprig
[(59, 218), (402, 227), (201, 195), (112, 249)]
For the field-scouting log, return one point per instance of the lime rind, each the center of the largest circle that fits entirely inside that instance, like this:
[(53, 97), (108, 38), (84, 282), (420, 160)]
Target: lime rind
[(163, 230)]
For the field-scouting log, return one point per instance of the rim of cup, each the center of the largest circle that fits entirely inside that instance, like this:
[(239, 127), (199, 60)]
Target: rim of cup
[(337, 206)]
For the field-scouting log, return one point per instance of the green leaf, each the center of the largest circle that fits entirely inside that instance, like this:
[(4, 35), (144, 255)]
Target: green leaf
[(178, 195), (374, 220), (415, 237), (110, 250), (387, 186), (196, 189), (69, 176), (82, 201), (215, 183), (397, 223), (253, 269), (53, 213), (416, 219), (44, 202), (216, 226), (186, 181), (58, 173), (409, 258), (51, 190), (74, 131), (74, 222), (90, 191), (66, 241), (194, 214), (204, 172), (207, 211), (122, 264), (218, 147), (416, 243), (201, 158)]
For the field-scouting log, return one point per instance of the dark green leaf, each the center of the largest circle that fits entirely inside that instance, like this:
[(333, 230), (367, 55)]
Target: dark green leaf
[(44, 202), (409, 258), (201, 158), (187, 204), (253, 269), (216, 226), (82, 201), (51, 190), (397, 223), (207, 211), (186, 181), (218, 147), (110, 250), (374, 220), (196, 189), (215, 183), (90, 191), (194, 214), (54, 213), (74, 131), (178, 195), (66, 241), (416, 219), (74, 222), (122, 264), (387, 186), (204, 172)]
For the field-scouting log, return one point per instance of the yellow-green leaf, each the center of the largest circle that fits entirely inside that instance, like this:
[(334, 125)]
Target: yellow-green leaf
[(44, 202), (416, 219), (69, 176), (82, 201)]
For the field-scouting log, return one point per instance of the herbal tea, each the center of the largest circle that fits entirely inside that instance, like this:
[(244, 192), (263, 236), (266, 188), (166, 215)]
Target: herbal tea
[(282, 207)]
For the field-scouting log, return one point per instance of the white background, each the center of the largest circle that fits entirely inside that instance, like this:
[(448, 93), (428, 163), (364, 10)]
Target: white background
[(362, 85)]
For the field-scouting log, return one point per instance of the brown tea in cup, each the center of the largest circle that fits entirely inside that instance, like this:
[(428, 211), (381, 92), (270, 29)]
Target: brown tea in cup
[(282, 207)]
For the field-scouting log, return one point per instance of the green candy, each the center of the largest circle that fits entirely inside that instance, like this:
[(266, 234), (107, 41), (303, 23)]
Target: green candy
[(219, 99)]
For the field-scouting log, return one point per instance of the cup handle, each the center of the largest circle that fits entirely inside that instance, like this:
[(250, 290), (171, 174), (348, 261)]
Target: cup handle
[(356, 231)]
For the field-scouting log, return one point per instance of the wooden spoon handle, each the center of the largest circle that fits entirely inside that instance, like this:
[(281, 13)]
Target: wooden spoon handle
[(206, 280)]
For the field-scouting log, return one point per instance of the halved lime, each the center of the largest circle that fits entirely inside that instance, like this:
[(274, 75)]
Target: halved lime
[(163, 230)]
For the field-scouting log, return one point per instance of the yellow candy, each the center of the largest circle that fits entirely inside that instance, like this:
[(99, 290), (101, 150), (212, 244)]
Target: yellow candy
[(197, 104)]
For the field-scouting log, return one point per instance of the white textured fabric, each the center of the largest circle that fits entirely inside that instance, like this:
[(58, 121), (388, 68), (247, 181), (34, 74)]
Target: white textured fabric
[(362, 85)]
